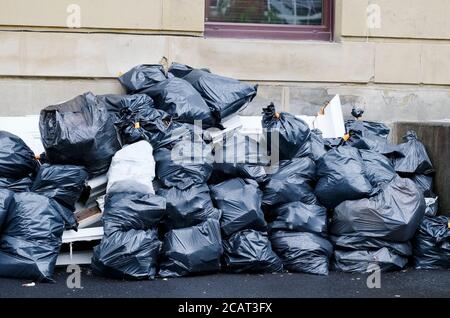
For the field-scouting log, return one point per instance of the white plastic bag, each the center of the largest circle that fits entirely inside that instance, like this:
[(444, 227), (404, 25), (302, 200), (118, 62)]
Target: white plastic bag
[(132, 169)]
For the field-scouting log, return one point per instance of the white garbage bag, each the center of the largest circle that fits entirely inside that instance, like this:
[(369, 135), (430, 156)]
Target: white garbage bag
[(132, 169)]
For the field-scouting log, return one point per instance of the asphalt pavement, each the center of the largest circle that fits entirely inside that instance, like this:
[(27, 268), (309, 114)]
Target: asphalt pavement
[(407, 283)]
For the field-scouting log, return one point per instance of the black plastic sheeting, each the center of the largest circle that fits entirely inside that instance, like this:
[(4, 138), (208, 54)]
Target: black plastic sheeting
[(130, 247), (415, 160), (302, 252), (432, 243), (95, 140), (293, 134), (393, 214), (19, 185), (363, 261), (341, 177), (31, 236), (348, 242), (239, 156), (240, 203), (16, 158), (297, 216), (188, 163), (223, 95), (378, 168), (188, 207), (292, 181), (192, 250), (250, 251), (63, 183)]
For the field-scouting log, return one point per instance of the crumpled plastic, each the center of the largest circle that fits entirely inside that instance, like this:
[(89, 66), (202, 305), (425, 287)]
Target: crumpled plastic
[(292, 181), (250, 251), (192, 250), (240, 203), (341, 176), (393, 214), (293, 140), (302, 252)]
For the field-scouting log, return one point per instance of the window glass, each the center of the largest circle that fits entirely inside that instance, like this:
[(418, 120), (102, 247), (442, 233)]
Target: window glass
[(291, 12)]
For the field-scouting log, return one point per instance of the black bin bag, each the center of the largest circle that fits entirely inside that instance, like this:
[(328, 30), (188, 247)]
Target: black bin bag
[(224, 96), (297, 216), (118, 105), (180, 100), (188, 207), (250, 251), (187, 163), (415, 160), (16, 185), (393, 214), (432, 243), (362, 261), (6, 199), (63, 183), (292, 181), (31, 237), (139, 211), (79, 132), (424, 183), (318, 148), (240, 203), (341, 177), (17, 161), (348, 242), (302, 252), (174, 95), (192, 250), (130, 247), (136, 118), (378, 168), (371, 136), (239, 156), (132, 254), (370, 128), (141, 77), (285, 133)]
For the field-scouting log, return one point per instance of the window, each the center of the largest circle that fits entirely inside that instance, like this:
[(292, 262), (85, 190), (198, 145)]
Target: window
[(273, 19)]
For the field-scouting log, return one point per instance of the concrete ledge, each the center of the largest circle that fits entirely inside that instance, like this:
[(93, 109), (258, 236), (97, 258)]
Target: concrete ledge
[(387, 103)]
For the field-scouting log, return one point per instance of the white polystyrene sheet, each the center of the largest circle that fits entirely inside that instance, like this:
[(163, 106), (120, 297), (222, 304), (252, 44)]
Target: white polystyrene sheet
[(331, 123), (230, 124), (27, 128)]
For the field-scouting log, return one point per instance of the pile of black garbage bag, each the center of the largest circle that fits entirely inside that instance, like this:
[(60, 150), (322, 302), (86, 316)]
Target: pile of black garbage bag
[(297, 221), (179, 204), (36, 205)]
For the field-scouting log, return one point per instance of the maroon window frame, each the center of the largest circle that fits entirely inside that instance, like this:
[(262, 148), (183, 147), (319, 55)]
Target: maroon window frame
[(322, 32)]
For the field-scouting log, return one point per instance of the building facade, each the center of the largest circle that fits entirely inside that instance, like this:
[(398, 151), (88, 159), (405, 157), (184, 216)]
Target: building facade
[(390, 57)]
